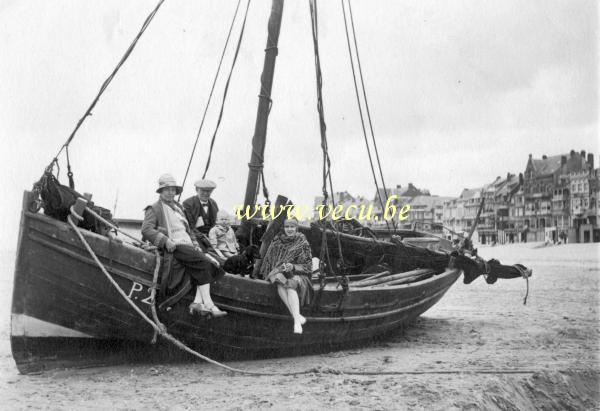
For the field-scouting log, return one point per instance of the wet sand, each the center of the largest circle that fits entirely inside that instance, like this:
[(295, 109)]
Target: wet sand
[(480, 347)]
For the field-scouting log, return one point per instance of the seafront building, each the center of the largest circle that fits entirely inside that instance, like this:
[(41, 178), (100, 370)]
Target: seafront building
[(556, 198)]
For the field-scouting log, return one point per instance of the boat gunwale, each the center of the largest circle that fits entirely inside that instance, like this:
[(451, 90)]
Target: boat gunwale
[(325, 319), (328, 287)]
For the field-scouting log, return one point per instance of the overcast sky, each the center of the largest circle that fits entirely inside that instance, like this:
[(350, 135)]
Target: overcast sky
[(459, 91)]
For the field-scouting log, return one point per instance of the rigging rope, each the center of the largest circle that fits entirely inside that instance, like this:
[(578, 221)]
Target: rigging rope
[(160, 329), (110, 78), (320, 110), (212, 89), (69, 172), (342, 280), (367, 106), (362, 121), (237, 50)]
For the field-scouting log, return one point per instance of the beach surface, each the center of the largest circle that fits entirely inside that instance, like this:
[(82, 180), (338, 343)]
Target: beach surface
[(478, 348)]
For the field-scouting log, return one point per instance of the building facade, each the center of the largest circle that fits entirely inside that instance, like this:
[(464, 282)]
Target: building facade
[(555, 199)]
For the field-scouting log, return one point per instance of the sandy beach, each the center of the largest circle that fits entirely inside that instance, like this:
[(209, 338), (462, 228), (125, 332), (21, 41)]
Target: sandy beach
[(480, 347)]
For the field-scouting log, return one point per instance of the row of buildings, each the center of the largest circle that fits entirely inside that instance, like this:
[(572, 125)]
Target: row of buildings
[(554, 199)]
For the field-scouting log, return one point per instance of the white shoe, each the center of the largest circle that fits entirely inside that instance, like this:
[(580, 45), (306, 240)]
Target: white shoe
[(302, 320), (297, 328)]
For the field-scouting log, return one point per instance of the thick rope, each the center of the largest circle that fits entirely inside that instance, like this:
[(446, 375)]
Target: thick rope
[(153, 297), (320, 109), (362, 120), (364, 92), (212, 89), (160, 329), (111, 76), (108, 223), (323, 129), (237, 51), (526, 292), (69, 172)]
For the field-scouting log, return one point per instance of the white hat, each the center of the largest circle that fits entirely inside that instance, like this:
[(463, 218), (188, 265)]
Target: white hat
[(167, 180)]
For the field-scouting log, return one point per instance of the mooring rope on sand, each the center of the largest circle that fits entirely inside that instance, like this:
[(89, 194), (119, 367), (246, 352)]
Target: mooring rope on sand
[(160, 329)]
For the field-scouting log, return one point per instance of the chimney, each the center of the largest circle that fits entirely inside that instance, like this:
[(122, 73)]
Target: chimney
[(521, 178), (590, 160), (572, 153), (583, 155), (530, 156), (563, 160), (544, 157), (410, 185), (398, 186)]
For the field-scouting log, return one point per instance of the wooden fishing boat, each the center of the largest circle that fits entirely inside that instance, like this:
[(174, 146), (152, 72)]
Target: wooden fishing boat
[(66, 312)]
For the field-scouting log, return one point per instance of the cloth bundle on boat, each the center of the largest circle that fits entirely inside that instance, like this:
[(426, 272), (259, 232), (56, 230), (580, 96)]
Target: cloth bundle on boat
[(57, 200), (473, 267)]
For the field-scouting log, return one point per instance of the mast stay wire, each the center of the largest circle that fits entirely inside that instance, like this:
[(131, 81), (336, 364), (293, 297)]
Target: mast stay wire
[(367, 105), (237, 51), (323, 126), (109, 79), (342, 280), (362, 121), (212, 89)]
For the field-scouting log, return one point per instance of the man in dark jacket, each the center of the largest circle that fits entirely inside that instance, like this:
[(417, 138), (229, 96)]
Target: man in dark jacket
[(201, 210)]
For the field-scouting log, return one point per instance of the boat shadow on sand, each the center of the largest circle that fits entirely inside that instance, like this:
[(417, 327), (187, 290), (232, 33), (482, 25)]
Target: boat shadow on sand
[(86, 353)]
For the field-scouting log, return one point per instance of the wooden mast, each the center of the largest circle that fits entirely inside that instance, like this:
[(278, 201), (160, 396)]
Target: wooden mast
[(264, 105)]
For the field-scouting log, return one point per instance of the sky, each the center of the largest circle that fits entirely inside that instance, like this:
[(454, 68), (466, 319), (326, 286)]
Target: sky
[(459, 92)]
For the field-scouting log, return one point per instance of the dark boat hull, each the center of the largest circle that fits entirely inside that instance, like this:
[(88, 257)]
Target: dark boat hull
[(65, 311)]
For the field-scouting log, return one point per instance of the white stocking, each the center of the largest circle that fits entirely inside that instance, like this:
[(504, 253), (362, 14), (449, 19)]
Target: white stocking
[(198, 299), (294, 304), (284, 297), (205, 292)]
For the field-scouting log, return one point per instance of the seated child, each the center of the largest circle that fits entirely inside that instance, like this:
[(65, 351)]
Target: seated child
[(222, 237)]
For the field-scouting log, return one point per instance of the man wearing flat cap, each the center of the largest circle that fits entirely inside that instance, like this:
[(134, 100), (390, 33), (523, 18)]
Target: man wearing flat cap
[(201, 210)]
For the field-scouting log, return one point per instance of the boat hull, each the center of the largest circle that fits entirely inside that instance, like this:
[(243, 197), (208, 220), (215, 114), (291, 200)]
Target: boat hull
[(66, 312)]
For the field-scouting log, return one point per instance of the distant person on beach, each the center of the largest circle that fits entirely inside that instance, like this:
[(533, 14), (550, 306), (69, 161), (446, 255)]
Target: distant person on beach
[(222, 238), (201, 210), (166, 227), (288, 265)]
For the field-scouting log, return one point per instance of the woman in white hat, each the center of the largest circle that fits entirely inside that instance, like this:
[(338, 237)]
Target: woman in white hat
[(166, 226)]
